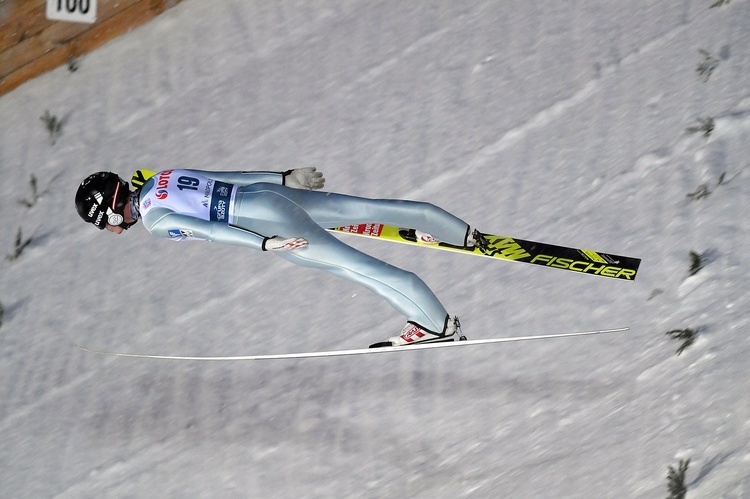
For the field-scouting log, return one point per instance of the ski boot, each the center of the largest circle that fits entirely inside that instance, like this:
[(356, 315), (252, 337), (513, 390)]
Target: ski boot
[(412, 334)]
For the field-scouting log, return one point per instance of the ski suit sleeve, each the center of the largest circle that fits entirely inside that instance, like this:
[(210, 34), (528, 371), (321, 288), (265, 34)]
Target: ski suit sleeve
[(181, 227), (244, 178)]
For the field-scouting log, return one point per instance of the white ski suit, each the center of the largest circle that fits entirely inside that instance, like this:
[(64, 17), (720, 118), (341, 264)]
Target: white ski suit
[(248, 208)]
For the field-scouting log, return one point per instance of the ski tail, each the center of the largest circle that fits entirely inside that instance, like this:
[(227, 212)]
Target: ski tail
[(140, 177)]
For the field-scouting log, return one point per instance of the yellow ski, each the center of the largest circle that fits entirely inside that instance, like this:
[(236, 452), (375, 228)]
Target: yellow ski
[(517, 250)]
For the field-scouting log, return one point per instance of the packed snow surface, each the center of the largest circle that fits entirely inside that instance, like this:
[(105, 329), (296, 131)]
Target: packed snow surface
[(563, 122)]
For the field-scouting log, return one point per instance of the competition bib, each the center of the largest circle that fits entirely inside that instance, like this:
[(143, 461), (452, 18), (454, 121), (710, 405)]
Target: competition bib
[(187, 193)]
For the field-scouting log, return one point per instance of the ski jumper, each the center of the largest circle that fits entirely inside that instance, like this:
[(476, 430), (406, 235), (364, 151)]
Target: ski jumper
[(246, 208)]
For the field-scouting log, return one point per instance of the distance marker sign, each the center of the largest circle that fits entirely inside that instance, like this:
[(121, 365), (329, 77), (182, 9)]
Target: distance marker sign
[(77, 11)]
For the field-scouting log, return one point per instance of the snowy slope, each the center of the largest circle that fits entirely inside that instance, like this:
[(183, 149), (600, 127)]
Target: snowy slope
[(557, 121)]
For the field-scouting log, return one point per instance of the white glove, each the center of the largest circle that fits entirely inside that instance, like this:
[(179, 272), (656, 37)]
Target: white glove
[(304, 178), (277, 243)]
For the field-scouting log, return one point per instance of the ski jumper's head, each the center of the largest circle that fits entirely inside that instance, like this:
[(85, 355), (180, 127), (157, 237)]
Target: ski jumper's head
[(101, 200)]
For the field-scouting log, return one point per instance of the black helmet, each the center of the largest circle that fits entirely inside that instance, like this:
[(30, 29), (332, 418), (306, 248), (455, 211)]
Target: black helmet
[(101, 199)]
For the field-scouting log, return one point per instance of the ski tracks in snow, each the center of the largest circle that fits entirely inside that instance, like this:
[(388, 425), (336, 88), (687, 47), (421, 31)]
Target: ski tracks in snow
[(557, 110)]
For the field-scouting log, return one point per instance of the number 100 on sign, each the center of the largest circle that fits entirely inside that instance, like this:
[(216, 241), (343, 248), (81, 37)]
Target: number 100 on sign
[(77, 11)]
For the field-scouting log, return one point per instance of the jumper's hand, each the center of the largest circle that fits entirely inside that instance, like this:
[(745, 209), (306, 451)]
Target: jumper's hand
[(277, 243), (304, 178)]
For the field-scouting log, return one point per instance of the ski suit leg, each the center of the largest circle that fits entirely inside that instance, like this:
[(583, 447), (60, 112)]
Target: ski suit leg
[(265, 209), (331, 210)]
